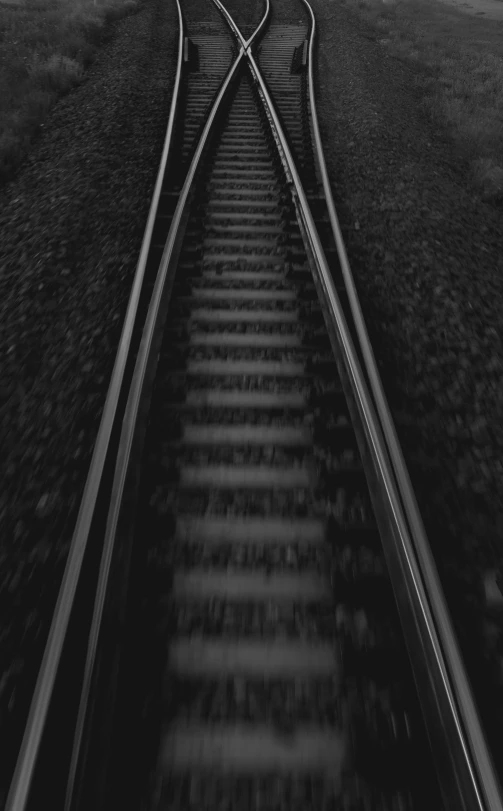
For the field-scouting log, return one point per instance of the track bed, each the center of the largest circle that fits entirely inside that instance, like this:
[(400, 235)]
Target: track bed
[(274, 669), (245, 643)]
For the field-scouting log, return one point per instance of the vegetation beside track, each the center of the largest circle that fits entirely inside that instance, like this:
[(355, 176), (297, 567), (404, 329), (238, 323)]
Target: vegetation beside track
[(46, 45), (459, 67)]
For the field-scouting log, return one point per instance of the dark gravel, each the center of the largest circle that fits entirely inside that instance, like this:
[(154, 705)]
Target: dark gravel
[(246, 15), (275, 793), (72, 224), (425, 252), (427, 256), (283, 703)]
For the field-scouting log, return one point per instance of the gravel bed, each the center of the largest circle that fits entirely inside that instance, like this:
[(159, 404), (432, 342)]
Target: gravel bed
[(178, 387), (72, 224), (331, 422), (308, 311), (345, 506), (284, 703), (226, 417), (223, 283), (301, 355), (259, 557), (270, 456), (427, 255), (274, 794), (358, 576), (74, 220), (220, 618), (198, 325)]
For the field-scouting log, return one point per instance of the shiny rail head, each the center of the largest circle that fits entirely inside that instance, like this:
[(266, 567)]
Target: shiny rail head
[(19, 792), (138, 382), (489, 791), (246, 44), (386, 453)]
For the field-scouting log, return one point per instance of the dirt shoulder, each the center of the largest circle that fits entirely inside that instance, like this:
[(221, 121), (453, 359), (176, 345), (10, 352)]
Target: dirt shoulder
[(427, 255)]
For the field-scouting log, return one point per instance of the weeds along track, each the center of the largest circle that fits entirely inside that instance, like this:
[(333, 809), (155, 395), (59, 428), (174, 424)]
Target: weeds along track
[(235, 635)]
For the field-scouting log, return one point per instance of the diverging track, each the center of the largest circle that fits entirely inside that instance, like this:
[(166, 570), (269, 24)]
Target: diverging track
[(250, 450), (238, 578)]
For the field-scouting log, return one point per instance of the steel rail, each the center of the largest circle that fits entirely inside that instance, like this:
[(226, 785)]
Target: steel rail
[(454, 674), (30, 746), (429, 604), (245, 44), (131, 417), (371, 425)]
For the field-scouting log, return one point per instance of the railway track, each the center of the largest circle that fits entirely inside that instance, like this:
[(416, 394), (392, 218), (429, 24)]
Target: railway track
[(249, 614)]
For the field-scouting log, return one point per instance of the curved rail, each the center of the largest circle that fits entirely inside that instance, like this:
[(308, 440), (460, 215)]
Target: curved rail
[(30, 746), (245, 44), (433, 626), (131, 415), (449, 659), (414, 562)]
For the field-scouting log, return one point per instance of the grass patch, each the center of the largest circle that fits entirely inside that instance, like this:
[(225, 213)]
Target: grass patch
[(45, 47), (459, 61)]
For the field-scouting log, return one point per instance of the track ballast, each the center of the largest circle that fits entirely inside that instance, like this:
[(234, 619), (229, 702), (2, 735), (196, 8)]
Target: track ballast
[(245, 648)]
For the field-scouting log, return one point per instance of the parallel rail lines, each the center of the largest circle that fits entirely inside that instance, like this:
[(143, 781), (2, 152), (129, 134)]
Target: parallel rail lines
[(244, 632)]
